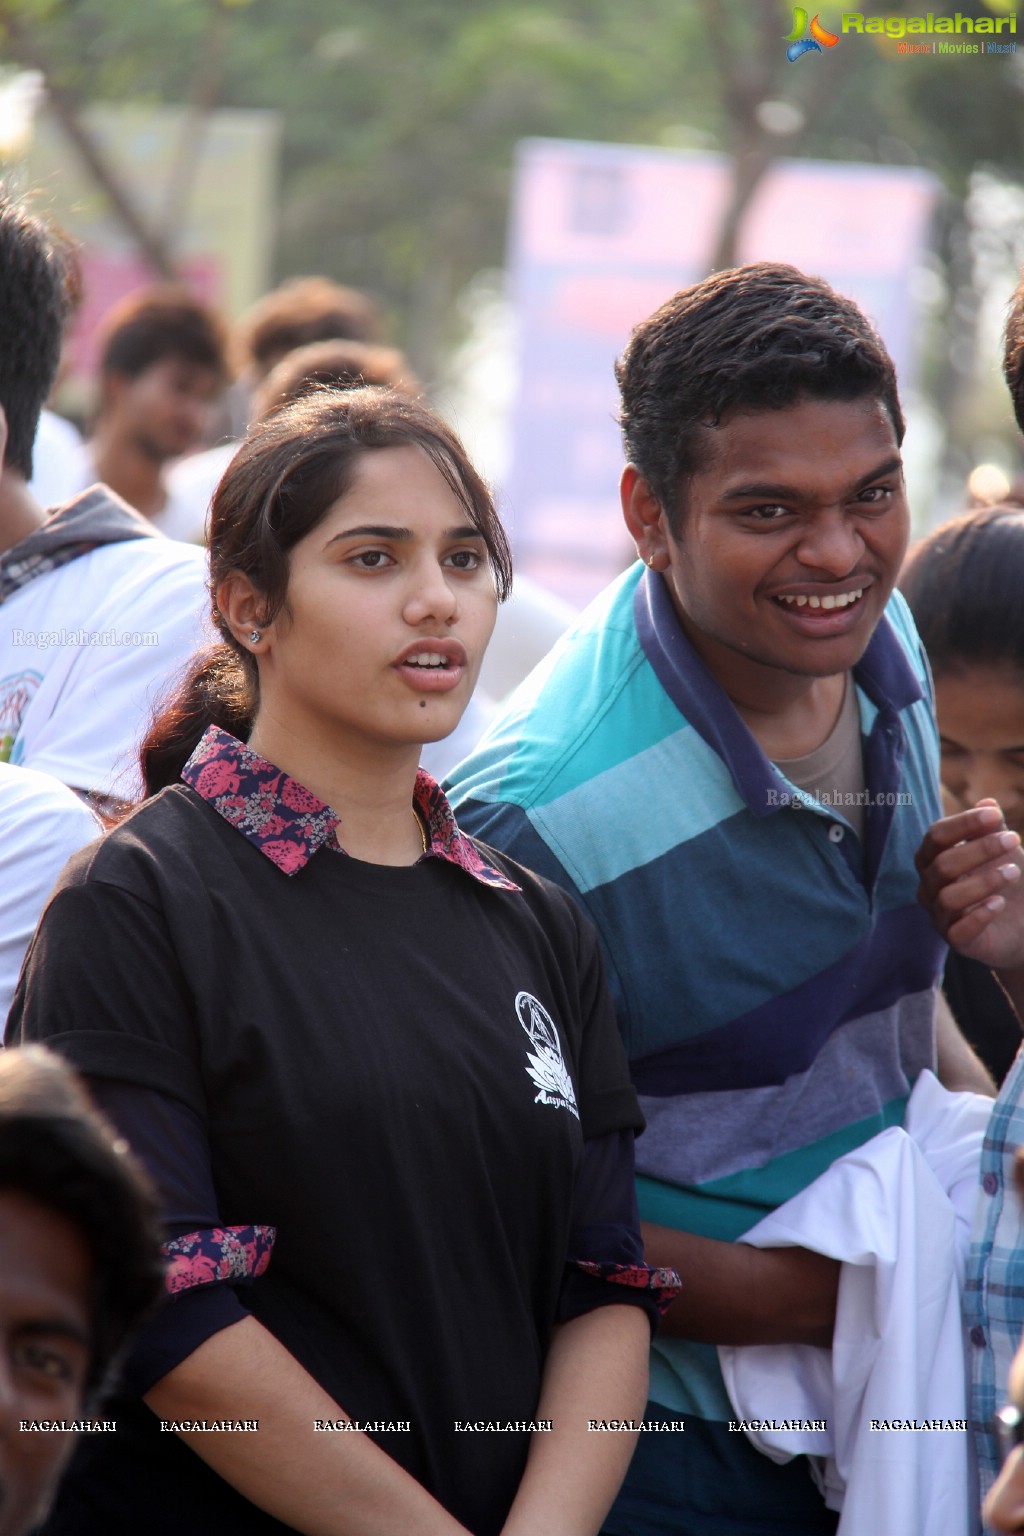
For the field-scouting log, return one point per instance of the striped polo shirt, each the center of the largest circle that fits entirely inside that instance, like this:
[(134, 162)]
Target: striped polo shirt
[(773, 976)]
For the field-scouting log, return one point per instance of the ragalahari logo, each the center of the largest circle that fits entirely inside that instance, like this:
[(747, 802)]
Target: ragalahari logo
[(799, 44)]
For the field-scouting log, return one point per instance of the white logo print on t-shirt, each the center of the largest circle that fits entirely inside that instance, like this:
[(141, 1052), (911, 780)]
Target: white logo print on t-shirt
[(547, 1067)]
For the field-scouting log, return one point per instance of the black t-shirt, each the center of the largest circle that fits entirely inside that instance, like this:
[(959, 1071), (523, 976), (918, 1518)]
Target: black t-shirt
[(374, 1054)]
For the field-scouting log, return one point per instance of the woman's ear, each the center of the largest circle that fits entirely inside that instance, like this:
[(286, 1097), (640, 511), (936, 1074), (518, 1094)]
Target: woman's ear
[(240, 605), (644, 518)]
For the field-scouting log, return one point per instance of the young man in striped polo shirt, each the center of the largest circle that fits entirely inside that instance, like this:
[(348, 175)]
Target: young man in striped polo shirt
[(730, 760)]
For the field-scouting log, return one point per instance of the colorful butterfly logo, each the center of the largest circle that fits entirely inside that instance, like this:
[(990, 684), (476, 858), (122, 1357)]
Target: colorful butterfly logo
[(799, 44)]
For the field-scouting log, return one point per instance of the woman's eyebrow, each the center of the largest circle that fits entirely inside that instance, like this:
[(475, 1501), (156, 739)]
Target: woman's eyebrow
[(386, 531)]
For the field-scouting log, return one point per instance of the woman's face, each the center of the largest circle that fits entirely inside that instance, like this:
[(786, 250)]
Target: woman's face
[(389, 608), (981, 725)]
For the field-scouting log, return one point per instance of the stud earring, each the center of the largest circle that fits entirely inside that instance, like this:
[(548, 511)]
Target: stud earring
[(650, 561), (254, 636)]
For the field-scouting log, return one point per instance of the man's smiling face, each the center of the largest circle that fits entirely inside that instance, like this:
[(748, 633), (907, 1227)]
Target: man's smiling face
[(787, 544)]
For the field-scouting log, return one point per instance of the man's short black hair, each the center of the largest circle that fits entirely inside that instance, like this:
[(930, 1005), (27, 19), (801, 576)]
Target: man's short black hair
[(57, 1150), (38, 275), (754, 338), (1013, 353), (160, 322)]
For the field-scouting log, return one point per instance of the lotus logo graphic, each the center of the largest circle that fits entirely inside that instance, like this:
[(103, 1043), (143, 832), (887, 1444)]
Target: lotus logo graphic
[(546, 1063), (799, 44)]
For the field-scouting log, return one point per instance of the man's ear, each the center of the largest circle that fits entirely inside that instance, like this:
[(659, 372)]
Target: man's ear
[(645, 518), (241, 605)]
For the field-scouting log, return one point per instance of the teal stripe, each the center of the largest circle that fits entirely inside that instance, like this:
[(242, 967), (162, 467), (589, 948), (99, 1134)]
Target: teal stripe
[(598, 726), (566, 824), (687, 1378), (726, 1208)]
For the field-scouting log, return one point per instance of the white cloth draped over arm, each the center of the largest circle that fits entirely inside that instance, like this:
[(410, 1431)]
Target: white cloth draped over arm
[(897, 1213)]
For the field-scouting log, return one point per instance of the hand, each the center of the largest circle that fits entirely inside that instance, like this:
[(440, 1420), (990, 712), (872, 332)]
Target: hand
[(970, 867)]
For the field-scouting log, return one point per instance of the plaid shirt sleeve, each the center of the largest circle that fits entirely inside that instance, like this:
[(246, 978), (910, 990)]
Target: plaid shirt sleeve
[(994, 1287)]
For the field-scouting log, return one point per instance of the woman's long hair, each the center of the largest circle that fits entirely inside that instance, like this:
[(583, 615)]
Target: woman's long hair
[(288, 473)]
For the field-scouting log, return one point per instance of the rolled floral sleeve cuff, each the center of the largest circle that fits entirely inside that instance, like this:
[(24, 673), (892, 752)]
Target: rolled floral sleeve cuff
[(605, 1265), (203, 1269), (216, 1254)]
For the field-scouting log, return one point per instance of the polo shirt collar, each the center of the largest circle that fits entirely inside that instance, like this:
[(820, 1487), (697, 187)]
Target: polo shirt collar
[(288, 823), (884, 672)]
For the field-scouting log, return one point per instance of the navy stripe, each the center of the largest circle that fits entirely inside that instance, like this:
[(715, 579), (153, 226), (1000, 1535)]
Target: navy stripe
[(901, 955)]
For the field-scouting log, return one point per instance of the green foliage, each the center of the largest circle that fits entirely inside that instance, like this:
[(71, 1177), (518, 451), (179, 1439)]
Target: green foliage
[(401, 116)]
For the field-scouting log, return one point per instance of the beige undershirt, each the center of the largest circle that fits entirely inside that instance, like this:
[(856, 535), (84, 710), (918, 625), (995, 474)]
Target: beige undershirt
[(834, 772)]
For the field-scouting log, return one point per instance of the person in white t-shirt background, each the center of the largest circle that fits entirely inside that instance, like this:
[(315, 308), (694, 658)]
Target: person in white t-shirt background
[(42, 823), (97, 610), (162, 370)]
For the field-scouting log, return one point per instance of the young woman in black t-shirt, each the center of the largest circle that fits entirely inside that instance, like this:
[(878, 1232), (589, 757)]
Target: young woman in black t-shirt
[(370, 1063)]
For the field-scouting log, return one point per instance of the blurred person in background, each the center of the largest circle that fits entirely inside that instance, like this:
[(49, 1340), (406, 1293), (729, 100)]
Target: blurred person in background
[(965, 587), (97, 609), (79, 1268), (335, 364), (296, 314), (162, 369)]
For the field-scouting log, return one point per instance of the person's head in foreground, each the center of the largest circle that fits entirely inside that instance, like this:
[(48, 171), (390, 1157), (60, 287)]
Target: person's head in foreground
[(964, 584), (38, 274), (79, 1267), (763, 427), (356, 560)]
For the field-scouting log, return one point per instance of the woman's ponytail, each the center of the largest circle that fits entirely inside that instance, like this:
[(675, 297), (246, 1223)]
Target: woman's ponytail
[(216, 690)]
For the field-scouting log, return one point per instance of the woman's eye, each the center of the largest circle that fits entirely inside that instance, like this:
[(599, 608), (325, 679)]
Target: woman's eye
[(371, 559), (465, 559)]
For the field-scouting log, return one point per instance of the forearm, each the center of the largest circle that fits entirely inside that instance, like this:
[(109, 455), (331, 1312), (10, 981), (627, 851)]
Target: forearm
[(735, 1294), (321, 1485), (596, 1369)]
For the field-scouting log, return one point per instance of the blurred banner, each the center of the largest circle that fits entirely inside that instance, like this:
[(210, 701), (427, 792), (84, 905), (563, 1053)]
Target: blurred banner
[(601, 234), (222, 241)]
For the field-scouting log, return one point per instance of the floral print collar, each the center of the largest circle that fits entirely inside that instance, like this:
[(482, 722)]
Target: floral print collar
[(288, 823)]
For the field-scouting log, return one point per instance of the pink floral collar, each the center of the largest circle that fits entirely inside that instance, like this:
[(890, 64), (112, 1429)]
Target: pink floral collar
[(287, 822)]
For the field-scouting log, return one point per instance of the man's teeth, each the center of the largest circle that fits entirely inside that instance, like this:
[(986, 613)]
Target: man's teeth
[(427, 659), (841, 600)]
